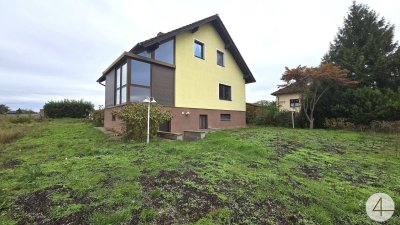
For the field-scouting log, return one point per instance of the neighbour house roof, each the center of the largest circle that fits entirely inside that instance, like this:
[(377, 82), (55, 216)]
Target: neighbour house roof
[(215, 20), (292, 89)]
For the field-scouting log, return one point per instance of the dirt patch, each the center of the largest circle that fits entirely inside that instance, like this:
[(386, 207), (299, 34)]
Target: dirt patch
[(12, 163), (247, 135), (35, 207), (265, 211), (255, 165), (312, 172), (333, 148), (284, 147), (174, 197), (362, 179), (137, 162)]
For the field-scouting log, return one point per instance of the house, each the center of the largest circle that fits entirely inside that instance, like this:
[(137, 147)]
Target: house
[(195, 71), (288, 98)]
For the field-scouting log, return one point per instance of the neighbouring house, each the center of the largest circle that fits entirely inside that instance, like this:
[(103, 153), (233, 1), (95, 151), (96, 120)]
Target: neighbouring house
[(289, 98), (195, 71)]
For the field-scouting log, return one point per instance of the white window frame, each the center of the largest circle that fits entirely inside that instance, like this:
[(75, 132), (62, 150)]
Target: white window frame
[(231, 100)]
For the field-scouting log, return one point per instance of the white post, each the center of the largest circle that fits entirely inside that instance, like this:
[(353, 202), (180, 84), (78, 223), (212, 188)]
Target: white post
[(148, 123), (293, 110)]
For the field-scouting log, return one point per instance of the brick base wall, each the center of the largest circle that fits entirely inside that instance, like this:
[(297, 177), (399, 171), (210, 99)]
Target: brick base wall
[(188, 119)]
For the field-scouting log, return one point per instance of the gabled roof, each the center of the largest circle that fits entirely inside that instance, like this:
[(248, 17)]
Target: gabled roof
[(292, 89), (222, 31)]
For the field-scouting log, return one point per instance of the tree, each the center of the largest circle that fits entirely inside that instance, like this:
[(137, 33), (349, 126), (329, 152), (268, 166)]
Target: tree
[(315, 81), (364, 46), (4, 109)]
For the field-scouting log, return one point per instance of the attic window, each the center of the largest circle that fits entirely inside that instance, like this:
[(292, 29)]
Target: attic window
[(198, 49), (220, 58)]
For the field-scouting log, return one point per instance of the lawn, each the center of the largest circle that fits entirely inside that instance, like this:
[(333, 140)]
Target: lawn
[(67, 172)]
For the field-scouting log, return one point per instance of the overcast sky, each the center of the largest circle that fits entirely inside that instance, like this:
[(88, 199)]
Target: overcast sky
[(53, 49)]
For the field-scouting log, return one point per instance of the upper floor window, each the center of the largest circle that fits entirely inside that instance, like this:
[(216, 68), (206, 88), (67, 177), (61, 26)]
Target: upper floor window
[(294, 103), (145, 54), (120, 91), (198, 49), (220, 58), (225, 92), (165, 52), (140, 73)]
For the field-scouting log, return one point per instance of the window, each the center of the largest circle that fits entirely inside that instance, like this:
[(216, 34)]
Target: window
[(138, 94), (124, 74), (140, 73), (145, 54), (224, 92), (220, 58), (118, 99), (199, 49), (123, 95), (165, 52), (294, 103), (121, 78), (118, 78), (225, 117)]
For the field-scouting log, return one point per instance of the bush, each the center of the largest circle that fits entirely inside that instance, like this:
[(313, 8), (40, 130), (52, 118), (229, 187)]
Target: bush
[(21, 119), (10, 135), (386, 126), (134, 117), (97, 116), (359, 105), (340, 124), (67, 108), (270, 114)]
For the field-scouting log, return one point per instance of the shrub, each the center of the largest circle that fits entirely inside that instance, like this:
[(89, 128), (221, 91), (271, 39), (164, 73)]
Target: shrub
[(67, 108), (134, 117), (339, 123), (270, 114), (97, 116), (9, 136), (386, 126), (21, 119)]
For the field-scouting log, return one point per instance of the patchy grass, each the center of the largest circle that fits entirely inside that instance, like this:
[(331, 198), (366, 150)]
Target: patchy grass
[(67, 172)]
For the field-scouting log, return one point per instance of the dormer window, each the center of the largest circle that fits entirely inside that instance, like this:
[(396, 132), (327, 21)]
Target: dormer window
[(198, 49), (220, 58)]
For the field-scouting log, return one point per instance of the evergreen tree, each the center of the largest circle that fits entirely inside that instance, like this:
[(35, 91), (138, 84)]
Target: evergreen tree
[(364, 46)]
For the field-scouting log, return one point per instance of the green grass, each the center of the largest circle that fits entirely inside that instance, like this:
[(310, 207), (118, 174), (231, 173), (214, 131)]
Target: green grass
[(65, 170)]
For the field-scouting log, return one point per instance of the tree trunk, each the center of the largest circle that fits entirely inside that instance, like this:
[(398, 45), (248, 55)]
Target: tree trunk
[(312, 123)]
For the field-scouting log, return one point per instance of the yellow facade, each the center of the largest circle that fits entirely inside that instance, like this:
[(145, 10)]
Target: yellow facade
[(283, 101), (197, 80)]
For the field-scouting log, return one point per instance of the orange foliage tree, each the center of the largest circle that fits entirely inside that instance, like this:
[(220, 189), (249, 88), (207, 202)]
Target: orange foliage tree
[(315, 81)]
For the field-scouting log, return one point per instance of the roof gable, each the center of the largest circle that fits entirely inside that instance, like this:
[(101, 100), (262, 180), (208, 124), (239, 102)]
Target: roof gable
[(222, 31), (291, 89)]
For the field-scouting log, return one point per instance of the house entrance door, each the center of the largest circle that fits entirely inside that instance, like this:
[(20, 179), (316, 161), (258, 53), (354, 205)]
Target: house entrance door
[(203, 122)]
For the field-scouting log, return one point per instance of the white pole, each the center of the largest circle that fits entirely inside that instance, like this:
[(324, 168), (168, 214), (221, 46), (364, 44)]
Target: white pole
[(148, 123), (293, 118)]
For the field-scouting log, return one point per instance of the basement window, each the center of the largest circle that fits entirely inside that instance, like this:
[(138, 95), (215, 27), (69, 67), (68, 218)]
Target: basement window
[(225, 117)]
